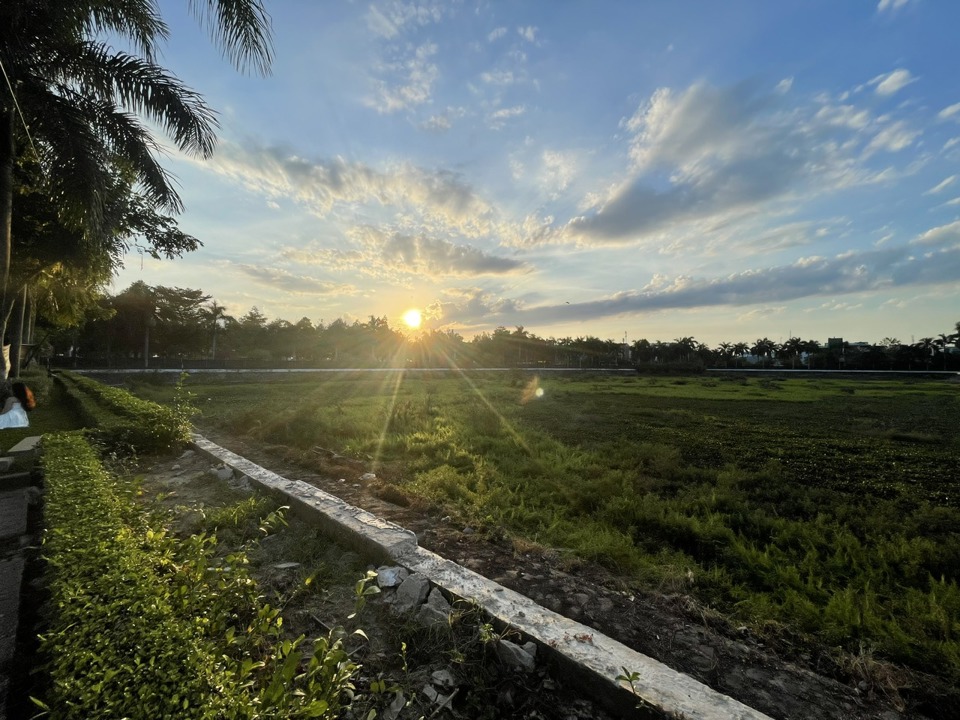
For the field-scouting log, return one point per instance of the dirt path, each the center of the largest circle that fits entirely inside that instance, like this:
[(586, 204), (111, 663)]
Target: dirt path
[(770, 674)]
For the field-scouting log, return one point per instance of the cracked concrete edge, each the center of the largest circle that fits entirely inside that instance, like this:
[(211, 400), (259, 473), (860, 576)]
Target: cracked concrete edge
[(576, 646)]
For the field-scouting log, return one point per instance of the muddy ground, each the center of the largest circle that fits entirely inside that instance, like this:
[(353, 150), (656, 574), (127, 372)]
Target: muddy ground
[(772, 671)]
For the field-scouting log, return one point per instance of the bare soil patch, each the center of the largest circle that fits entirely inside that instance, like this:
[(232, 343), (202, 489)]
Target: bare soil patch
[(774, 672)]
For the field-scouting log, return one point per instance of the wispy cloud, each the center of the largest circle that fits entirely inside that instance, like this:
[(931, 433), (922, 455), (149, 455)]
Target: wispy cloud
[(429, 200), (391, 254), (891, 5), (528, 33), (496, 34), (411, 81), (892, 82), (498, 118), (280, 279), (387, 20), (849, 273), (950, 112), (941, 186)]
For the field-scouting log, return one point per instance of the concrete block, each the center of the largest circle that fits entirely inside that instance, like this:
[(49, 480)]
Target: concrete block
[(26, 446)]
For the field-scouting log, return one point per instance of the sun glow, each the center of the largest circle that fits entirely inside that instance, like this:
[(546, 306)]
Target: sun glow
[(412, 318)]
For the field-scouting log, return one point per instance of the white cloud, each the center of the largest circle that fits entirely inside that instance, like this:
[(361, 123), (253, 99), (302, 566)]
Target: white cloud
[(499, 77), (497, 118), (942, 235), (528, 33), (893, 138), (294, 284), (891, 5), (389, 19), (422, 255), (428, 200), (783, 87), (844, 116), (847, 274), (721, 150), (413, 81), (496, 34), (949, 112), (941, 186), (892, 82), (558, 171)]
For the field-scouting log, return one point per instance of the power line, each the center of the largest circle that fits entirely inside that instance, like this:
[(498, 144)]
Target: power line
[(16, 104)]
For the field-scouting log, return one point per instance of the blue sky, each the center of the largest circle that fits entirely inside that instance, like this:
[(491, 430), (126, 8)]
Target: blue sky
[(642, 169)]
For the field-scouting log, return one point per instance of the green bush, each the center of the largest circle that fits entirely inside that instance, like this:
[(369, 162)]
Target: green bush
[(118, 419), (142, 625)]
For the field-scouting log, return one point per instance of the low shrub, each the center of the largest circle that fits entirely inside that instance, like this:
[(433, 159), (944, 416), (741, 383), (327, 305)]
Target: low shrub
[(144, 625), (120, 420)]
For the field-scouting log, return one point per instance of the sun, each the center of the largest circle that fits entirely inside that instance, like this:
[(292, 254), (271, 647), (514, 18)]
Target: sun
[(413, 318)]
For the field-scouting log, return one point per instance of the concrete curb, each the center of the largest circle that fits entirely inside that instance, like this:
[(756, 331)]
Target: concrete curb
[(595, 659)]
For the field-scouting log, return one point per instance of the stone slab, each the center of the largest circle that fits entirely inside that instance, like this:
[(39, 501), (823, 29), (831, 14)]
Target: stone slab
[(342, 520), (25, 446), (11, 575), (13, 513)]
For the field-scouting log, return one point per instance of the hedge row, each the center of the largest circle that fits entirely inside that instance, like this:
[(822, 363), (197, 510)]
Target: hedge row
[(147, 626), (119, 419)]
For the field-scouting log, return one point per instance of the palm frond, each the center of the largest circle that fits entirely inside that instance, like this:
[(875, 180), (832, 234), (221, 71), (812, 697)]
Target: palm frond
[(241, 29)]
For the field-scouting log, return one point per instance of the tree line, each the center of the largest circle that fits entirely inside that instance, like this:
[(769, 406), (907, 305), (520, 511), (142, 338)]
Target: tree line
[(162, 327)]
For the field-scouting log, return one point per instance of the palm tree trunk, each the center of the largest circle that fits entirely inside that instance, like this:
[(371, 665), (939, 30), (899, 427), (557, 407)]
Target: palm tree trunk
[(6, 221), (17, 349)]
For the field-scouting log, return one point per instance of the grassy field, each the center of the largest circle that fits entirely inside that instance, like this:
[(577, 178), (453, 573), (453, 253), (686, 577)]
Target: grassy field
[(823, 509)]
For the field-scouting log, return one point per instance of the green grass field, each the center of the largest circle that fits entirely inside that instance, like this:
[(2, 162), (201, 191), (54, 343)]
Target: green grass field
[(829, 509)]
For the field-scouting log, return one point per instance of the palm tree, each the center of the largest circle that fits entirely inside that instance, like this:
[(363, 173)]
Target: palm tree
[(723, 350), (926, 347), (942, 341), (792, 349), (739, 350), (762, 349), (74, 105), (213, 314)]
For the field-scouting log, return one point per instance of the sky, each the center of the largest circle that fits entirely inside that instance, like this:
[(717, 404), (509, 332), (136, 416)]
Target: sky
[(627, 170)]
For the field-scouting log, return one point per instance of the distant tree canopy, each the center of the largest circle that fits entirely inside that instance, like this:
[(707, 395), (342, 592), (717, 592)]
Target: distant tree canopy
[(159, 326)]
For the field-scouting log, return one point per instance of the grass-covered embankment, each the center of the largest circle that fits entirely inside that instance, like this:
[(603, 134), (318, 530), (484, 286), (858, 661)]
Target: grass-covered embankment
[(827, 509)]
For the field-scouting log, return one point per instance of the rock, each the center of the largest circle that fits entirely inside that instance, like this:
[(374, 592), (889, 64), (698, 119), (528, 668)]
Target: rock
[(430, 693), (530, 648), (393, 710), (187, 454), (468, 530), (436, 611), (412, 592), (343, 480), (368, 477), (223, 472), (285, 565), (473, 564), (443, 679), (605, 605), (515, 656), (582, 598), (388, 577), (177, 467)]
